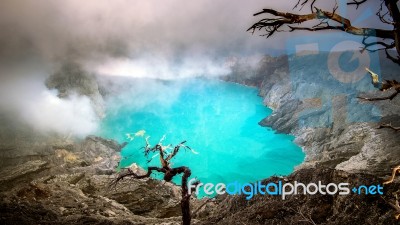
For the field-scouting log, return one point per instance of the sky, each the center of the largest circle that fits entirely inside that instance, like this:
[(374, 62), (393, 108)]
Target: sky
[(174, 37), (151, 38), (166, 39)]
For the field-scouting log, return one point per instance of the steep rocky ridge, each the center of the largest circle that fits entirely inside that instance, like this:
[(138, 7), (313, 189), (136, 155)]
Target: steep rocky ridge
[(293, 87)]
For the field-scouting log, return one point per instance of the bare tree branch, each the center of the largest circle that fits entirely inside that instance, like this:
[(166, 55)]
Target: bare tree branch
[(176, 149), (394, 11), (383, 86), (394, 204), (390, 97), (389, 126), (392, 58), (303, 3), (277, 21), (168, 172), (281, 18), (367, 45), (394, 171), (357, 3), (129, 173), (383, 14)]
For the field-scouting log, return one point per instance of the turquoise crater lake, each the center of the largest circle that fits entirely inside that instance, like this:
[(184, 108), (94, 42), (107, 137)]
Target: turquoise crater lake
[(219, 120)]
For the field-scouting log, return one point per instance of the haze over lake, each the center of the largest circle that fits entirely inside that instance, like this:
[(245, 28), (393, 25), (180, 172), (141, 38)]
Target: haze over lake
[(219, 120)]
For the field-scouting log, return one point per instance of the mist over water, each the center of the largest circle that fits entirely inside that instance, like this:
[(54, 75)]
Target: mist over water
[(218, 120), (142, 39)]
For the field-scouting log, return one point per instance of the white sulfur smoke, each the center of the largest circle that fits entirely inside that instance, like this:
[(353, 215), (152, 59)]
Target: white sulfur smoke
[(27, 99), (166, 39)]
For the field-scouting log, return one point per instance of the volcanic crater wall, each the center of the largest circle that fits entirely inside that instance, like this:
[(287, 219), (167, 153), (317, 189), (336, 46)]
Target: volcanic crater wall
[(342, 134)]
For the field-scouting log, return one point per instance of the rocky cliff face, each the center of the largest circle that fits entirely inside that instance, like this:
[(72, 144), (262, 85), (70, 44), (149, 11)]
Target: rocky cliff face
[(333, 127)]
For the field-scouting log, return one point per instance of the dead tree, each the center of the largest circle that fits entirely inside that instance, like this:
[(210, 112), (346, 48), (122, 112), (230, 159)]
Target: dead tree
[(388, 13), (384, 86), (387, 39), (168, 172)]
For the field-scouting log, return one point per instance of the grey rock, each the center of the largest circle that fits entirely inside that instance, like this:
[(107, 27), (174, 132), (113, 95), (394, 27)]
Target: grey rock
[(340, 142), (14, 172)]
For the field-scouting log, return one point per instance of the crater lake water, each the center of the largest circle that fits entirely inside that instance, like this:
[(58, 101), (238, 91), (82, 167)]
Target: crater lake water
[(219, 120)]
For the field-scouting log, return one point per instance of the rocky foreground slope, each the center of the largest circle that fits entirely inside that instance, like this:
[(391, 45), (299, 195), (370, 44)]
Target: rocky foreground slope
[(69, 183)]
